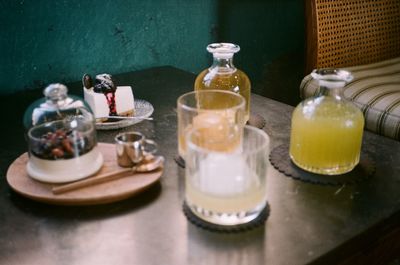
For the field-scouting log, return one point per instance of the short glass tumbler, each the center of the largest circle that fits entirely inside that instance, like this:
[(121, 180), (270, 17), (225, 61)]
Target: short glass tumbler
[(64, 150), (216, 113), (227, 187)]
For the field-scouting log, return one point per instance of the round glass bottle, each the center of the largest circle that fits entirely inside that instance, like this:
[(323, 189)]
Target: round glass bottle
[(326, 131), (223, 75)]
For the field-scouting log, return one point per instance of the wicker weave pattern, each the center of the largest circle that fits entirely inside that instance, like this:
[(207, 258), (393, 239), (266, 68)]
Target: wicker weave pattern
[(356, 32)]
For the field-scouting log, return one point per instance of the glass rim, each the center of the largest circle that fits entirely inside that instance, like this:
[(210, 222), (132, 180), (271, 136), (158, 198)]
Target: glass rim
[(223, 47), (242, 103), (257, 149), (332, 75), (118, 137)]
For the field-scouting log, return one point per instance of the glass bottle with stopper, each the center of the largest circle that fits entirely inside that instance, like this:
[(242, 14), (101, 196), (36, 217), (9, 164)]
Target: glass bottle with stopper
[(327, 129), (223, 75)]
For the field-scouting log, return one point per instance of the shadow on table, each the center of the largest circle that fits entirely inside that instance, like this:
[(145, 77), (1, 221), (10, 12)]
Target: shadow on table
[(232, 246), (88, 212)]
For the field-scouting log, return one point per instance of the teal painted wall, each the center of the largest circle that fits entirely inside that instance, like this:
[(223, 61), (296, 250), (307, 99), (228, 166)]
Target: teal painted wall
[(47, 41), (271, 36), (52, 40)]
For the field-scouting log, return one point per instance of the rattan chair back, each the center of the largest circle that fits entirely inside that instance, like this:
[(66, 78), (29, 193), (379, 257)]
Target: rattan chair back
[(346, 33)]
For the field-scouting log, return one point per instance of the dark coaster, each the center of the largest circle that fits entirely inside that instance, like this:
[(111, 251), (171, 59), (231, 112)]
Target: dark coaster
[(180, 161), (256, 121), (280, 159), (194, 219)]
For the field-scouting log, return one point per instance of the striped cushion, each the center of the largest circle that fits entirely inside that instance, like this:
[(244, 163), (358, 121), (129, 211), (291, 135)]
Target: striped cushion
[(375, 89)]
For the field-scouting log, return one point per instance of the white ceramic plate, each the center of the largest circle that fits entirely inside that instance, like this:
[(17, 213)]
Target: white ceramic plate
[(143, 109)]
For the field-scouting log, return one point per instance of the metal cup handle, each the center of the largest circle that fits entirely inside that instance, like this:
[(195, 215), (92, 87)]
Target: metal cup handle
[(150, 143)]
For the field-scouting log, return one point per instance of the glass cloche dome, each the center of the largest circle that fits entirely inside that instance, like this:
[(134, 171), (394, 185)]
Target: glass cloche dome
[(61, 137)]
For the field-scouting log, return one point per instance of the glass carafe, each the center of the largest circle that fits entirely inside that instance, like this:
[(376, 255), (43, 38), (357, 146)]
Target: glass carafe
[(223, 75), (326, 132)]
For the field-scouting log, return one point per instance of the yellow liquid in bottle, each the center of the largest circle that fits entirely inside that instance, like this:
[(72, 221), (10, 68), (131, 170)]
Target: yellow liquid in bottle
[(235, 81), (326, 139)]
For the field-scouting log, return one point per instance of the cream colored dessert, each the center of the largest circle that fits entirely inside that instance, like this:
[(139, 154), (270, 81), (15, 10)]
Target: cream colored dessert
[(124, 101), (105, 99), (65, 170)]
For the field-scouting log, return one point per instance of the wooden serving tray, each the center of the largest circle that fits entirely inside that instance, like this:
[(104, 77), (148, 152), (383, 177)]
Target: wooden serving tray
[(124, 187)]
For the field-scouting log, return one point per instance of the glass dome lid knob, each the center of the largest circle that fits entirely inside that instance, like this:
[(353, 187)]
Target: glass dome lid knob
[(55, 92)]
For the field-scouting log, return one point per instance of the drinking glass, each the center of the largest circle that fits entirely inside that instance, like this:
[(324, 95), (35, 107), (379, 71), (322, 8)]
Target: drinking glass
[(217, 113), (63, 150), (226, 187)]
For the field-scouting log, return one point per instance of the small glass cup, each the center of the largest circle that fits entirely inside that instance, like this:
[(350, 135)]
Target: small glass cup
[(217, 113), (227, 187), (63, 150)]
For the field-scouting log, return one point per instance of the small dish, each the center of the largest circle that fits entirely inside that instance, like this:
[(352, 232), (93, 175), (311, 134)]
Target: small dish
[(143, 109)]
